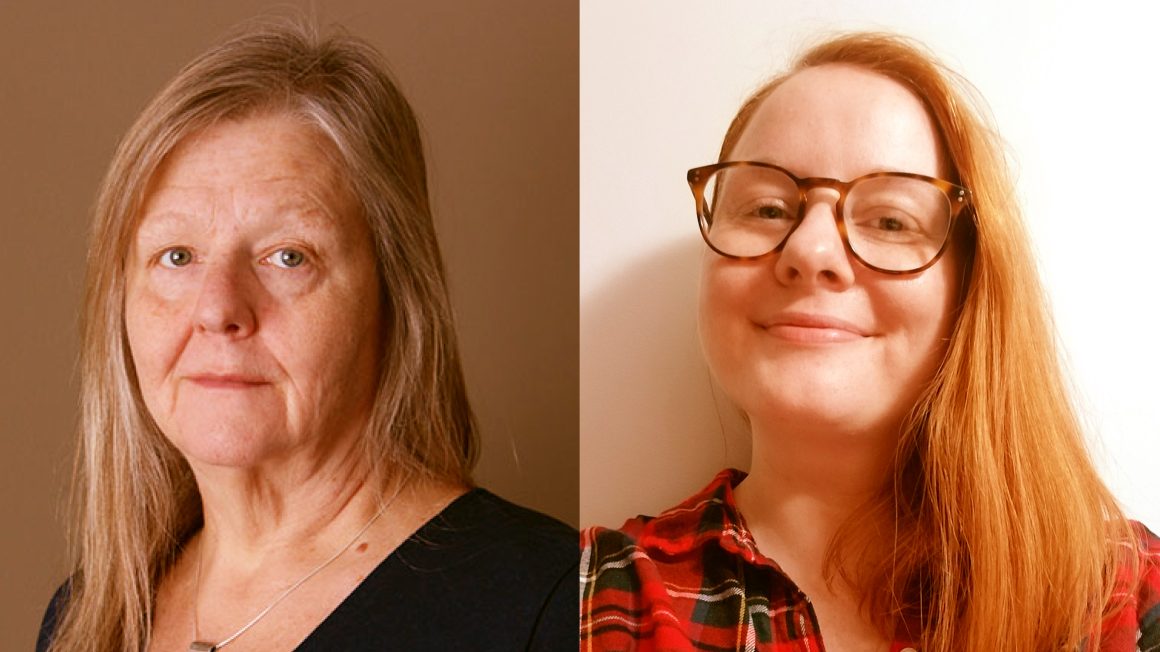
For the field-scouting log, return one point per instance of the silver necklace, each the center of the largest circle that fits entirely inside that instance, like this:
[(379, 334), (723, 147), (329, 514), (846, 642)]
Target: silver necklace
[(204, 646)]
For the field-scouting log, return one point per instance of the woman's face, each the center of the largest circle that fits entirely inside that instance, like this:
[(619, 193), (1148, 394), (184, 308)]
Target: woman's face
[(808, 337), (252, 303)]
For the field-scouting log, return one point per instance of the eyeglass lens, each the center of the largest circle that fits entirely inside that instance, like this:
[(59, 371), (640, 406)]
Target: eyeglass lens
[(893, 223)]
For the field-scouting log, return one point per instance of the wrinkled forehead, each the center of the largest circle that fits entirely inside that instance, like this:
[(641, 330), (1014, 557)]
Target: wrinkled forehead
[(268, 146), (843, 121), (258, 177), (277, 156)]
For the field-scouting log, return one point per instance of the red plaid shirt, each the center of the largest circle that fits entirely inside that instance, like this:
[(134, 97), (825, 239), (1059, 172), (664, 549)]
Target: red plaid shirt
[(693, 579)]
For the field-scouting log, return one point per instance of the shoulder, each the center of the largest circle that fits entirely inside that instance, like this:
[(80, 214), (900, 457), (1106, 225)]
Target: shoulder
[(619, 587), (495, 576), (486, 540), (52, 615), (1146, 593), (636, 591), (641, 584), (1133, 620), (623, 560), (517, 547), (503, 530)]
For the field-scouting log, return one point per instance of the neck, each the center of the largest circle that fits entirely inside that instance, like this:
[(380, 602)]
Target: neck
[(281, 511), (270, 530), (803, 485)]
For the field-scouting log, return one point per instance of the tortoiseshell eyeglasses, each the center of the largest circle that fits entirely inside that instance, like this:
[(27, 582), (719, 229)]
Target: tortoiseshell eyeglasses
[(892, 222)]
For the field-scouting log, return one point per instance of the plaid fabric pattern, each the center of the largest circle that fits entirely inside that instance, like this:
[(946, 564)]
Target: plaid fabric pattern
[(693, 579)]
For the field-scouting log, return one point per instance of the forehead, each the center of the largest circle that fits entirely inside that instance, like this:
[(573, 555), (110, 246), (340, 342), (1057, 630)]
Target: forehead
[(269, 157), (262, 146), (842, 122)]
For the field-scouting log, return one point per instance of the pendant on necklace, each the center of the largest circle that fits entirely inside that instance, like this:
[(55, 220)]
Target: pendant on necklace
[(202, 646)]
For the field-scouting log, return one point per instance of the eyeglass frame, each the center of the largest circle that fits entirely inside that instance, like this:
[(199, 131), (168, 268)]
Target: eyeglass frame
[(958, 198)]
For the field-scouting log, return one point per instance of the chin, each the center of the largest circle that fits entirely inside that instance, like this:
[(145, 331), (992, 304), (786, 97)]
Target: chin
[(225, 444), (820, 403)]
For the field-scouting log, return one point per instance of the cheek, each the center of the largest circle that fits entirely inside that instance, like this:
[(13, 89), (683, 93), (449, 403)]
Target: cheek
[(328, 341), (923, 312), (153, 331), (942, 299), (727, 295)]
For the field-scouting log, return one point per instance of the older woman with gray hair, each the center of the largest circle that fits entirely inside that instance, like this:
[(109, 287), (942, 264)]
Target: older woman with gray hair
[(276, 441)]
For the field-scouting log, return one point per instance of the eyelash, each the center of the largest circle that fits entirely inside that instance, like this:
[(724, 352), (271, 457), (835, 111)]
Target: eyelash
[(167, 253), (272, 258)]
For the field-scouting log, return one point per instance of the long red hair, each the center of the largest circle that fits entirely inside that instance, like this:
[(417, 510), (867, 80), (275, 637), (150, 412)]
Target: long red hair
[(1005, 536)]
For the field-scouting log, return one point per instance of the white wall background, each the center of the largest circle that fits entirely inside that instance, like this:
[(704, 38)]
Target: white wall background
[(1073, 92)]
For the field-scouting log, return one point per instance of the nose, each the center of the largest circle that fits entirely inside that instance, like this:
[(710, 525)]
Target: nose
[(225, 302), (815, 253)]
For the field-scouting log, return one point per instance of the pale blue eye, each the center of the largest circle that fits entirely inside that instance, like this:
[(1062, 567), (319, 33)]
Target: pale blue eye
[(176, 257), (287, 258)]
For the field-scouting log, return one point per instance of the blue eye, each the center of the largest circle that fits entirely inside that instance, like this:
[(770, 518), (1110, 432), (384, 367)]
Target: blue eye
[(175, 257), (287, 258)]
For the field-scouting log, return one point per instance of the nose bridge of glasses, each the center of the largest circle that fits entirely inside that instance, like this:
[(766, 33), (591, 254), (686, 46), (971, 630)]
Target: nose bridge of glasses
[(824, 195), (831, 191)]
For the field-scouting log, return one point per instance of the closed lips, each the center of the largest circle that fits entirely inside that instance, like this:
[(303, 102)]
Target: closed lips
[(808, 320), (227, 380)]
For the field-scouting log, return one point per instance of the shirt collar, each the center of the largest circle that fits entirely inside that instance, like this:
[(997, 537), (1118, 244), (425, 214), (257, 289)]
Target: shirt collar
[(708, 516), (711, 516)]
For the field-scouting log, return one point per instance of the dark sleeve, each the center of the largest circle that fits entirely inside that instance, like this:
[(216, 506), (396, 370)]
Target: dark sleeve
[(556, 625), (51, 616)]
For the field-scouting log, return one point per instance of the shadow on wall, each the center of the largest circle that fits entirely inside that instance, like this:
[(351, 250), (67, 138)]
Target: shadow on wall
[(654, 427)]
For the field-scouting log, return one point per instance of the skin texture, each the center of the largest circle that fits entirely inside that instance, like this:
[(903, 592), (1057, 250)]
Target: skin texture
[(843, 125), (242, 359), (254, 319), (826, 399)]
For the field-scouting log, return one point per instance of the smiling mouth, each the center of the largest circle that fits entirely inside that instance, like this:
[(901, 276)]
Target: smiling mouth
[(806, 328), (812, 334)]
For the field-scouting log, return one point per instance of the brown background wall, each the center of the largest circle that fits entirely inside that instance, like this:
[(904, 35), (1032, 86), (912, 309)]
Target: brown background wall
[(496, 87)]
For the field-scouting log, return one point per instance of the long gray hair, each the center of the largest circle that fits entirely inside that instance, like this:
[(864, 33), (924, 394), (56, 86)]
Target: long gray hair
[(136, 502)]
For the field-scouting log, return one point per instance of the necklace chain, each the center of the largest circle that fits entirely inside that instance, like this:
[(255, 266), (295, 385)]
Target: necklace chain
[(203, 646)]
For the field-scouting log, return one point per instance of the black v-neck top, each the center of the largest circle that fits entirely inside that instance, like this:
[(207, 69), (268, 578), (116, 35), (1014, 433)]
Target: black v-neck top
[(484, 574)]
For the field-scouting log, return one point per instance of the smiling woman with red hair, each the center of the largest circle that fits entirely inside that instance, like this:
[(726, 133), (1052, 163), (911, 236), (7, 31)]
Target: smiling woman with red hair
[(919, 477)]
